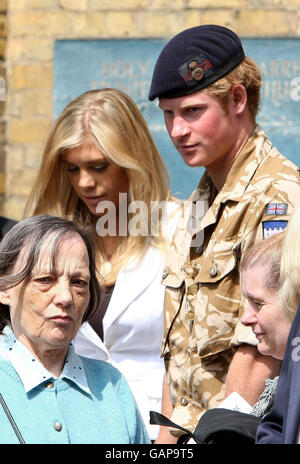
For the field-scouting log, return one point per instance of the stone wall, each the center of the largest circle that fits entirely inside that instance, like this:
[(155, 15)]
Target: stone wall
[(3, 80), (27, 45)]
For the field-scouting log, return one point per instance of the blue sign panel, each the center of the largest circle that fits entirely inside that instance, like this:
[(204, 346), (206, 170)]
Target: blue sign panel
[(81, 65), (279, 63)]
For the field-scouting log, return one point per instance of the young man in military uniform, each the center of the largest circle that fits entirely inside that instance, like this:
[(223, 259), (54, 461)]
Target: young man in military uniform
[(209, 94)]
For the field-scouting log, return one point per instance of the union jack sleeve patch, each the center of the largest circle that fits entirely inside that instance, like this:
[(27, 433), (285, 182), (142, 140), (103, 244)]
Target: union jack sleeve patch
[(276, 209)]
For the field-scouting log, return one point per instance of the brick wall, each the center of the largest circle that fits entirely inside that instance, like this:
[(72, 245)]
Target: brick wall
[(27, 45)]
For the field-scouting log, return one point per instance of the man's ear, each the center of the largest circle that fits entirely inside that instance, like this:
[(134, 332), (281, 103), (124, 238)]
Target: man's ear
[(4, 298), (239, 98)]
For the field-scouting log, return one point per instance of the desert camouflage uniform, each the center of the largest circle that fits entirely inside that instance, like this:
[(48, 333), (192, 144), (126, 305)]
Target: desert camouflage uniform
[(203, 301)]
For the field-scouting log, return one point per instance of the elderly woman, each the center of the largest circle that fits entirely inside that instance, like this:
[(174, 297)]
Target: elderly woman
[(270, 282), (261, 286), (265, 313), (282, 424), (49, 394)]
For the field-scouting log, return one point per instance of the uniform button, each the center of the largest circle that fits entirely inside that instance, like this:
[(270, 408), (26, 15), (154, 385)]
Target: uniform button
[(199, 250), (165, 272), (49, 385), (184, 401), (213, 271), (57, 426)]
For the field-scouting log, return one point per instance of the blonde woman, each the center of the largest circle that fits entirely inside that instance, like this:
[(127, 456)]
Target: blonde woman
[(101, 168)]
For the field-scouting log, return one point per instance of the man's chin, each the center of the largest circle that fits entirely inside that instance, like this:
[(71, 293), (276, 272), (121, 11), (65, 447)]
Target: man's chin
[(192, 162)]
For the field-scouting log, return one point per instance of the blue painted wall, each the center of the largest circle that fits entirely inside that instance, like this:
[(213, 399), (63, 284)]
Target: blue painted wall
[(81, 65)]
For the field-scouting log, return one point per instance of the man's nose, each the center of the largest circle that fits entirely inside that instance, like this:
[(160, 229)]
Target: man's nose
[(179, 128)]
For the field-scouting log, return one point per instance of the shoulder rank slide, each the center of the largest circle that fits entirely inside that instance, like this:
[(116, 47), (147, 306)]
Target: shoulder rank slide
[(273, 227), (276, 209)]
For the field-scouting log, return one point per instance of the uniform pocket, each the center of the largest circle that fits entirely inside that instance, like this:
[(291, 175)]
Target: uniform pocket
[(218, 298), (220, 261)]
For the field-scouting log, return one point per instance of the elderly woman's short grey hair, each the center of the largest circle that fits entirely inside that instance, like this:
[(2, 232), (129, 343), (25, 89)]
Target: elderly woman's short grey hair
[(31, 234)]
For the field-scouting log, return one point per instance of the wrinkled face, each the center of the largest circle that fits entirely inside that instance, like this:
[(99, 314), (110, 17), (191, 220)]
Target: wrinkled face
[(93, 177), (47, 309), (264, 312), (199, 128)]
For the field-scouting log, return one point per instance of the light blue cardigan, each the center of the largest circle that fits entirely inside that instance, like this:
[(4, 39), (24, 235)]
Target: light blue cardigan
[(108, 416)]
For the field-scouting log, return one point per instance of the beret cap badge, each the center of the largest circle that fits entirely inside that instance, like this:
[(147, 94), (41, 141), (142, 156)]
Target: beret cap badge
[(194, 70)]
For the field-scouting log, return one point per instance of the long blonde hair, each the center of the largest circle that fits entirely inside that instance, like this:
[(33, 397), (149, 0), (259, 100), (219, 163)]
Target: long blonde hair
[(112, 121)]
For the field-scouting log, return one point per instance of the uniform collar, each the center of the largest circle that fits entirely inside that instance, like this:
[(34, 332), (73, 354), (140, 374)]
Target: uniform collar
[(245, 165), (30, 370), (243, 169)]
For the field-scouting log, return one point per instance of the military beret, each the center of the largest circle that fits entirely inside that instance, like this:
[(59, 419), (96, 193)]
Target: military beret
[(194, 59)]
